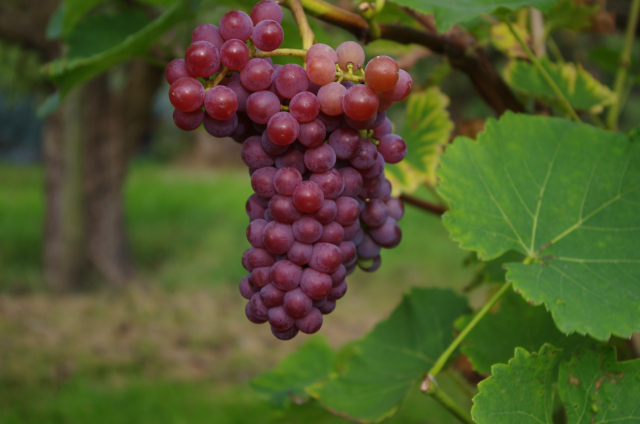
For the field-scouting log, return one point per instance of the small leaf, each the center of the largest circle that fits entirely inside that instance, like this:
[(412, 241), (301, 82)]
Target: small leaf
[(595, 389), (504, 40), (516, 324), (582, 90), (427, 129), (520, 392), (310, 363), (373, 380), (449, 13), (564, 194)]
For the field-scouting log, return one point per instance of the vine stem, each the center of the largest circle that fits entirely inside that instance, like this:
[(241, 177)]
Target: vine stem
[(443, 399), (623, 66), (281, 52), (301, 19), (536, 62), (442, 360), (423, 204)]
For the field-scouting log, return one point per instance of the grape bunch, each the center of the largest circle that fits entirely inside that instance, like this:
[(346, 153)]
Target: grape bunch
[(316, 140)]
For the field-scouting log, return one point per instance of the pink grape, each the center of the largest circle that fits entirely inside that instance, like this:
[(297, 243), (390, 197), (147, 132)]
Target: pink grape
[(304, 106), (346, 142), (256, 75), (202, 59), (267, 35), (330, 98), (266, 10), (320, 49), (175, 70), (360, 102), (402, 89), (381, 73), (208, 32), (188, 121), (291, 80), (220, 102), (350, 52), (283, 128), (186, 94), (262, 105), (321, 70), (236, 24), (325, 258), (234, 54)]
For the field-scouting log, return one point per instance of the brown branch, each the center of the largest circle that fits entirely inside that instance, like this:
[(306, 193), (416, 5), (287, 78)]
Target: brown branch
[(458, 45), (423, 204)]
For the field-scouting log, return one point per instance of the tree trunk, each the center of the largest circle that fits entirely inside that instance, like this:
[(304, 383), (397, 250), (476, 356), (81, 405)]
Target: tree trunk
[(87, 150)]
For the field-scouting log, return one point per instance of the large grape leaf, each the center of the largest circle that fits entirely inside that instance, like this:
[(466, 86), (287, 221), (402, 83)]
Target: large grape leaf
[(580, 88), (595, 389), (565, 194), (374, 379), (310, 363), (427, 129), (449, 13), (520, 392), (516, 324)]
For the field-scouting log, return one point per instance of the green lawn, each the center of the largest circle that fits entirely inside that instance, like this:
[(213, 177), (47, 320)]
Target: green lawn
[(177, 349)]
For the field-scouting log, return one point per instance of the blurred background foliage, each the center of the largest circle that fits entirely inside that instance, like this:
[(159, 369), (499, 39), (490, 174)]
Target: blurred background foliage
[(175, 346)]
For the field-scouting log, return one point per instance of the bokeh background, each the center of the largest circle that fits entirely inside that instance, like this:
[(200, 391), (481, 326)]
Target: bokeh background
[(121, 236)]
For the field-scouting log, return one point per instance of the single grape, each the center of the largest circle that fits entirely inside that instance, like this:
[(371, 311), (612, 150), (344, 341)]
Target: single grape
[(319, 303), (392, 148), (331, 123), (277, 237), (279, 319), (308, 197), (188, 121), (291, 80), (282, 209), (348, 251), (202, 59), (316, 285), (220, 102), (330, 98), (208, 32), (396, 208), (346, 142), (381, 73), (258, 258), (236, 24), (331, 183), (259, 277), (283, 128), (262, 182), (375, 171), (272, 297), (256, 75), (383, 103), (328, 307), (266, 10), (332, 233), (307, 230), (325, 258), (320, 159), (271, 147), (338, 292), (388, 235), (286, 180), (245, 288), (251, 315), (175, 70), (370, 265), (300, 253), (320, 49), (368, 249), (350, 52), (262, 105), (360, 102), (234, 54), (267, 35), (352, 181), (292, 158), (242, 94), (385, 192), (321, 70), (348, 210), (260, 310), (375, 213), (311, 322), (285, 335), (351, 232), (254, 209), (312, 133), (254, 232), (304, 106), (339, 274), (402, 89), (220, 128), (285, 275), (253, 155), (366, 157), (296, 303), (384, 129), (326, 213), (186, 94), (371, 188)]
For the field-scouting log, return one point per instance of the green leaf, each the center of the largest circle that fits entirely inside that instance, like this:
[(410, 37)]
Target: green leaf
[(582, 90), (54, 26), (566, 195), (595, 389), (67, 73), (375, 377), (96, 34), (504, 40), (516, 324), (570, 14), (74, 10), (449, 13), (520, 392), (426, 130), (310, 363)]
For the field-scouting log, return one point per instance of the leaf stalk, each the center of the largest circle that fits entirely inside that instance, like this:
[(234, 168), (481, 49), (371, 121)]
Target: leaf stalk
[(443, 399)]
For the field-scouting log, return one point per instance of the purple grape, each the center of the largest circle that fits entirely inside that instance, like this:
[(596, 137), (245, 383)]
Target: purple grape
[(361, 125), (257, 258), (220, 128), (328, 307), (282, 210), (266, 10), (292, 158), (382, 130), (388, 235), (283, 128), (245, 288), (381, 117), (262, 182), (220, 102), (186, 94), (402, 89), (319, 303), (326, 213), (396, 208), (208, 32), (262, 105), (253, 155), (260, 310), (385, 191), (285, 335), (236, 24), (368, 249), (348, 210), (251, 315), (325, 257), (263, 200), (332, 233), (376, 170), (267, 35), (348, 251), (244, 129), (286, 180), (234, 54), (267, 216), (296, 303), (393, 148), (175, 70), (360, 102), (312, 133), (338, 275), (188, 121), (259, 277), (371, 188), (330, 182), (384, 104), (345, 142), (307, 230), (375, 213), (277, 237), (366, 157), (271, 147), (300, 253), (308, 197), (242, 94), (311, 322), (352, 182), (202, 59), (320, 159), (254, 209), (338, 292), (254, 232), (279, 319), (351, 230), (304, 107), (291, 80), (314, 284), (331, 123), (271, 296), (256, 75), (285, 275)]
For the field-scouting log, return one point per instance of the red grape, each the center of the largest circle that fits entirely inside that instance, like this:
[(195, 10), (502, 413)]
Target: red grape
[(175, 70), (346, 142), (236, 24), (402, 89), (321, 70), (304, 106), (286, 180), (308, 197), (220, 102), (262, 182), (186, 94), (267, 35), (266, 10), (330, 98), (283, 128), (202, 59), (312, 133), (360, 102), (256, 75), (253, 155), (261, 106), (188, 121), (350, 52), (208, 32), (381, 73), (291, 80), (392, 148), (234, 54)]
